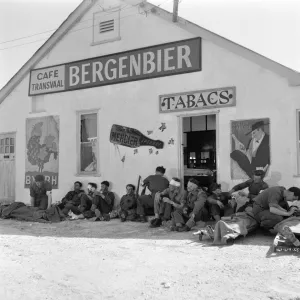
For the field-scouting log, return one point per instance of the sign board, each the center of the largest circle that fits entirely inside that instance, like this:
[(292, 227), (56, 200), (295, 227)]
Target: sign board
[(42, 149), (144, 63), (250, 147), (219, 97), (132, 138)]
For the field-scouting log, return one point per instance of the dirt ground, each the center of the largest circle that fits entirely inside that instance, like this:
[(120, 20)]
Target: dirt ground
[(112, 260)]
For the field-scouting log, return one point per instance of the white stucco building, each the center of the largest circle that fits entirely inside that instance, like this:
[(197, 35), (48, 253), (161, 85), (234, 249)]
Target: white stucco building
[(118, 66)]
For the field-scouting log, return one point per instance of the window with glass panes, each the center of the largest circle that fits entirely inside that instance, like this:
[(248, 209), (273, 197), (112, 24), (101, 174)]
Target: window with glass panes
[(88, 142), (7, 145)]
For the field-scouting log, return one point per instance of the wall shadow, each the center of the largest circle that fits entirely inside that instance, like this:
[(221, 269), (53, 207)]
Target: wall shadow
[(117, 230), (114, 229)]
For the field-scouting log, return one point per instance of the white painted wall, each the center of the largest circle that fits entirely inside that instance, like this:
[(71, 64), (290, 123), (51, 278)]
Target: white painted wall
[(260, 94)]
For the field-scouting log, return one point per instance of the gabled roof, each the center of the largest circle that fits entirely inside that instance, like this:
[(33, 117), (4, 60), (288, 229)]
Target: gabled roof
[(62, 30), (292, 76)]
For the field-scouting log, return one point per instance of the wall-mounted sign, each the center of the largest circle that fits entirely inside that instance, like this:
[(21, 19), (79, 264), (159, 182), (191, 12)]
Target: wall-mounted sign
[(144, 63), (130, 137), (250, 147), (42, 149), (219, 97)]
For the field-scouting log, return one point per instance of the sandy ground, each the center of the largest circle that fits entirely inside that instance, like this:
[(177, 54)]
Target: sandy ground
[(113, 260)]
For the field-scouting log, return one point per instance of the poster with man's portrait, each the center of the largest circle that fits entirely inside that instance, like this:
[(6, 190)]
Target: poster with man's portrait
[(250, 147)]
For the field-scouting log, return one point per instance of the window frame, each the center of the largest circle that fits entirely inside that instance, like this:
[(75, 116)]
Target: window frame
[(115, 12), (298, 140), (78, 144), (11, 155)]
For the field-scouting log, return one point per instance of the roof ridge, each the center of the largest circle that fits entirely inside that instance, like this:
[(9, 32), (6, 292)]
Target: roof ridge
[(292, 75)]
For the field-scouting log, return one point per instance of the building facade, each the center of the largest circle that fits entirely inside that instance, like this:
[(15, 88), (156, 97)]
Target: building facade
[(113, 94)]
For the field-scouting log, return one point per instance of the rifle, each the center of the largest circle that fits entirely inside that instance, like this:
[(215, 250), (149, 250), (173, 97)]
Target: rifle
[(138, 188)]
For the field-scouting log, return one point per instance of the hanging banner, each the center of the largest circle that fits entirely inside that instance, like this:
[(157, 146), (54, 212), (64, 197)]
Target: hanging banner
[(150, 62), (212, 98), (250, 147), (42, 149)]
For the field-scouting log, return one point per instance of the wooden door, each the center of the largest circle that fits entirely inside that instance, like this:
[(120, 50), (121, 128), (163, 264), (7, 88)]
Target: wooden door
[(7, 167)]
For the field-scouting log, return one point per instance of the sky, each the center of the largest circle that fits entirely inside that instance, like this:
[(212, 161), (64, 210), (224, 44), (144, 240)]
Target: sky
[(269, 27)]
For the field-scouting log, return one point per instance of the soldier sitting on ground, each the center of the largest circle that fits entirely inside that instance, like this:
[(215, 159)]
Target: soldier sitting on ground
[(218, 202), (255, 185), (172, 197), (75, 201), (92, 190), (196, 208), (128, 204), (103, 202), (155, 183)]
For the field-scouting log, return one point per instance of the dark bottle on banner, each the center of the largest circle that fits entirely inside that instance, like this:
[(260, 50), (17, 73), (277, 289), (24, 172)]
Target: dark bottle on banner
[(130, 137)]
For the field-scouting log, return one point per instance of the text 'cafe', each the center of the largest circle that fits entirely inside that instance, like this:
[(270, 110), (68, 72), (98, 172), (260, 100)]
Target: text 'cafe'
[(162, 60)]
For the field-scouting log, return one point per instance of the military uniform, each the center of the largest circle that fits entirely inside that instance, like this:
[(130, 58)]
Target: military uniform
[(40, 194), (128, 207), (164, 209), (196, 204), (155, 183), (261, 206), (76, 201)]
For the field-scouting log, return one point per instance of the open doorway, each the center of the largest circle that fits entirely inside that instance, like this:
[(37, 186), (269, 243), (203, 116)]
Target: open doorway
[(199, 149)]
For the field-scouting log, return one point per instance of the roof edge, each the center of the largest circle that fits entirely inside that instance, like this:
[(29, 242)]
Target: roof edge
[(46, 47), (292, 76)]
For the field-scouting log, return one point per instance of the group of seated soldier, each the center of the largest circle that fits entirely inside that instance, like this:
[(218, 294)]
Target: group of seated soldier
[(169, 201), (76, 203), (80, 205)]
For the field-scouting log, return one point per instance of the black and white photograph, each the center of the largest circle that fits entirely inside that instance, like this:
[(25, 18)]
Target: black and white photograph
[(149, 149), (250, 147)]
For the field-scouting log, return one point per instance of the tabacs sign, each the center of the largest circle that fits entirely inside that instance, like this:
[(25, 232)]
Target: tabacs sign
[(219, 97), (144, 63)]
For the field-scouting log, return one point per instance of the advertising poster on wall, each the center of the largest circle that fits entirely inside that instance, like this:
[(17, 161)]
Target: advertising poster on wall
[(42, 149), (250, 147), (133, 138)]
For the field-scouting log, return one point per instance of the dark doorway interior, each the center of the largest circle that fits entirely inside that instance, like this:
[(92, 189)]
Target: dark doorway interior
[(199, 151)]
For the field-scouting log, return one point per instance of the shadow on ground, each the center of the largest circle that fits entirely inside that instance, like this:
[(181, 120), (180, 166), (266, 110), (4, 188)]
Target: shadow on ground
[(116, 230)]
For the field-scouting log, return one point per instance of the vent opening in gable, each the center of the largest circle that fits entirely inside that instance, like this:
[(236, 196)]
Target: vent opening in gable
[(106, 26)]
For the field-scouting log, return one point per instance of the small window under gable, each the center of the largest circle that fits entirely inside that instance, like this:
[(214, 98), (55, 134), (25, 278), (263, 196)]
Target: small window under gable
[(106, 26)]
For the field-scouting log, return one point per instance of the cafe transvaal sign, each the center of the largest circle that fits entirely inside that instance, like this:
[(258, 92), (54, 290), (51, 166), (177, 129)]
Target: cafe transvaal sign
[(218, 97), (145, 63)]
